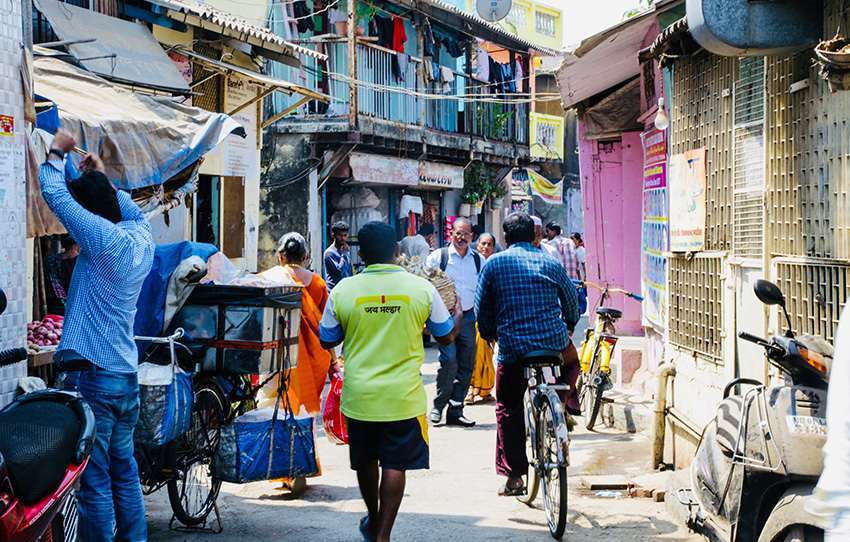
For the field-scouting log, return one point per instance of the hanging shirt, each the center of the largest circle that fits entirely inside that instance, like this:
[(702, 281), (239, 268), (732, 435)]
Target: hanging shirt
[(399, 35), (482, 64), (429, 47), (518, 76), (383, 29)]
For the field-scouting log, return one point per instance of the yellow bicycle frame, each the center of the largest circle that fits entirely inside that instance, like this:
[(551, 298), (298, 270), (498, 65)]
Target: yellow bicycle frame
[(602, 348)]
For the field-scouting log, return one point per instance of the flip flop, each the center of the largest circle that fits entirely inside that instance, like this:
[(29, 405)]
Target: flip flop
[(364, 530), (509, 491)]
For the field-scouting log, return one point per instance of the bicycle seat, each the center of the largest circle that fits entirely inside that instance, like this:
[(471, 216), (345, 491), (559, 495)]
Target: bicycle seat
[(541, 358), (38, 441), (608, 312)]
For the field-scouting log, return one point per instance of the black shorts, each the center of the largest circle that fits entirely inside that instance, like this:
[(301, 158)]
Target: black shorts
[(400, 445)]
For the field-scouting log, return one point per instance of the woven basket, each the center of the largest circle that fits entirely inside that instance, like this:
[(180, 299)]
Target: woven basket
[(441, 281)]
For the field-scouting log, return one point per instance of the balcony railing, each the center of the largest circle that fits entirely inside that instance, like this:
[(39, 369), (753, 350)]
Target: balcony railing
[(378, 70), (547, 136)]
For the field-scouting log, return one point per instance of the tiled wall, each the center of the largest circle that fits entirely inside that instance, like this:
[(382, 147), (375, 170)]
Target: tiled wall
[(12, 198)]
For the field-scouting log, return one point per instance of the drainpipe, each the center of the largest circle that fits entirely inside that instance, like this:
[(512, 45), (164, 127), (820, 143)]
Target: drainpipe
[(665, 372)]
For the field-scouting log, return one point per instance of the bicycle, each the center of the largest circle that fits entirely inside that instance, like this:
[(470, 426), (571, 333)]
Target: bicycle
[(547, 439), (596, 351), (182, 465)]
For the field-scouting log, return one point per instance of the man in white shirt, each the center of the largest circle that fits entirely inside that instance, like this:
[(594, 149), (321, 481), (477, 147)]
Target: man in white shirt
[(538, 239), (462, 265), (419, 244)]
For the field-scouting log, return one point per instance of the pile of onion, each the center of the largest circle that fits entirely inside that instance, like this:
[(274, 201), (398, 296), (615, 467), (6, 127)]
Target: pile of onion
[(44, 334)]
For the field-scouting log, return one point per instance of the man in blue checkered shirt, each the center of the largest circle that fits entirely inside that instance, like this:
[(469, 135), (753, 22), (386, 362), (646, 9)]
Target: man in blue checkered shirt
[(526, 301), (97, 355)]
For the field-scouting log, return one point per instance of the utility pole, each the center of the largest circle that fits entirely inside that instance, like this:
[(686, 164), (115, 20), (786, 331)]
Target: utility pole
[(352, 64)]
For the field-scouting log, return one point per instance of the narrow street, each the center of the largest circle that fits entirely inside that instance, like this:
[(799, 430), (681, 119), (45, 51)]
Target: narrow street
[(455, 500)]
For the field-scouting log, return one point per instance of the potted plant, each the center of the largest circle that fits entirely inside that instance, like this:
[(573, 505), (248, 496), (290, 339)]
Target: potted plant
[(834, 58), (474, 188), (469, 200), (497, 194)]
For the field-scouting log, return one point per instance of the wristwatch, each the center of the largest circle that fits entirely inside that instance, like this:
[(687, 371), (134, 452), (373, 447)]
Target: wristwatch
[(59, 153)]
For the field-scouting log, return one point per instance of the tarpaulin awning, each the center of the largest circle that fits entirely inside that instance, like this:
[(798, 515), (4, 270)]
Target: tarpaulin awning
[(122, 51), (143, 140)]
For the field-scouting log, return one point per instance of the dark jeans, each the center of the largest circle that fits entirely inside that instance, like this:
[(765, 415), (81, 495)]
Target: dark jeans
[(511, 384), (110, 495), (456, 363)]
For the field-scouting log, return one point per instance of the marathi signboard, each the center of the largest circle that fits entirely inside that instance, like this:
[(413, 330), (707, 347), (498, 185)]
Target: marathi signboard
[(655, 229), (440, 176), (376, 169), (686, 173)]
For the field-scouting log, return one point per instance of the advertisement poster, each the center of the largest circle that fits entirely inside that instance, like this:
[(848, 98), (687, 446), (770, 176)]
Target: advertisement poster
[(686, 179), (655, 229)]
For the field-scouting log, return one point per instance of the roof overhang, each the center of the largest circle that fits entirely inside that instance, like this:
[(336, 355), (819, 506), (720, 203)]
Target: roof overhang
[(267, 43), (269, 84), (118, 50)]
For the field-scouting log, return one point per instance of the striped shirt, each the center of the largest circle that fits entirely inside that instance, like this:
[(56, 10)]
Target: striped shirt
[(567, 255), (526, 301), (113, 263)]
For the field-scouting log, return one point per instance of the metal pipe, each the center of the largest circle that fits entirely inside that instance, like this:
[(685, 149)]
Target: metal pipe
[(665, 372), (683, 422)]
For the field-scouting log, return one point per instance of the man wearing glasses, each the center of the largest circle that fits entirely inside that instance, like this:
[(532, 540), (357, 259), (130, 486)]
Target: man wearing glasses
[(462, 264)]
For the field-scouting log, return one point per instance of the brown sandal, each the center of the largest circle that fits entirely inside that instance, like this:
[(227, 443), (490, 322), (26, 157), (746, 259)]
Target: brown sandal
[(509, 491)]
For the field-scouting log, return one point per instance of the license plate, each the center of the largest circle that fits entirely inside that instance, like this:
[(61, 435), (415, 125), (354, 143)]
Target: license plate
[(806, 425)]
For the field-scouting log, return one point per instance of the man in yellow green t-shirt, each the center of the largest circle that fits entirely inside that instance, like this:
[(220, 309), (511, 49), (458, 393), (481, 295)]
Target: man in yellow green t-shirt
[(379, 314)]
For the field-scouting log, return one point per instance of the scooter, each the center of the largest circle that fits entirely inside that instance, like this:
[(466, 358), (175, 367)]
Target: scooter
[(46, 438), (760, 458)]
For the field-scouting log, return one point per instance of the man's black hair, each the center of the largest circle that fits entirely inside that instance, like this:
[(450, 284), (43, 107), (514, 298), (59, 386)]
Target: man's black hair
[(555, 227), (94, 192), (339, 227), (425, 230), (377, 243), (576, 235), (67, 242), (518, 228)]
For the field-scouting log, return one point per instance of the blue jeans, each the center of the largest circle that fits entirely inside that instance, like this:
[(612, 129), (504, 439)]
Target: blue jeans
[(110, 495)]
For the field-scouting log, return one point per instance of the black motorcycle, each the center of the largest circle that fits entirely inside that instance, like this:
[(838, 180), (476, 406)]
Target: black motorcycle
[(760, 458)]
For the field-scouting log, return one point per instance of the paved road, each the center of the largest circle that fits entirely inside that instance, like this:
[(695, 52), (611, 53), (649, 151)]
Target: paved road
[(454, 501)]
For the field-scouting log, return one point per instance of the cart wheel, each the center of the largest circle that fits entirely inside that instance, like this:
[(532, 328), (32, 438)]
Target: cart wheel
[(194, 490)]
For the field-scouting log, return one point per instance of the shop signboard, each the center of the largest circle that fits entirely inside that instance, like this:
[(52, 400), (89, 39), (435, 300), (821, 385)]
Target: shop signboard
[(686, 179), (655, 229), (241, 158), (377, 169), (435, 175)]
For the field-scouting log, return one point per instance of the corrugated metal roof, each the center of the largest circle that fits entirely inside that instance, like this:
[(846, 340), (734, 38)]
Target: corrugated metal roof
[(440, 4), (238, 24)]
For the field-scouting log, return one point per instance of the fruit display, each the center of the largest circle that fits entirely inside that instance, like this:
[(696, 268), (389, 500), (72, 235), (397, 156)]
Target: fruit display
[(44, 335)]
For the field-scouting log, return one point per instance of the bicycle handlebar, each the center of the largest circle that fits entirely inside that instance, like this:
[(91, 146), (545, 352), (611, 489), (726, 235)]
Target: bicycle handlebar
[(178, 333), (584, 283)]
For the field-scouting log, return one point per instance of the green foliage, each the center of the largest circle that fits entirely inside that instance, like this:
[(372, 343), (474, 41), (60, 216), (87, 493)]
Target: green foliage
[(479, 185)]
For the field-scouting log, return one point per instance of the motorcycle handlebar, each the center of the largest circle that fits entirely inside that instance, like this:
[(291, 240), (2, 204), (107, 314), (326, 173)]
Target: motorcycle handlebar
[(14, 355), (771, 348), (752, 338)]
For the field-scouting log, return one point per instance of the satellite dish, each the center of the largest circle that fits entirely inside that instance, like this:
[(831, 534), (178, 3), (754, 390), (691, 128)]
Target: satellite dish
[(493, 10)]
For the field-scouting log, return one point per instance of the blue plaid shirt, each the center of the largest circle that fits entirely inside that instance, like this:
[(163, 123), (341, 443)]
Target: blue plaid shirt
[(525, 300), (113, 263)]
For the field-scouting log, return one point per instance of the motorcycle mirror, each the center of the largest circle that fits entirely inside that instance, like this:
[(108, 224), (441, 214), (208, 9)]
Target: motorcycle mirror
[(3, 301), (769, 293)]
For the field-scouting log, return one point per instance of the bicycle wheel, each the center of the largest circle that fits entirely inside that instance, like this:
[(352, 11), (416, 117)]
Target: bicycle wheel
[(591, 401), (532, 479), (193, 492), (553, 472)]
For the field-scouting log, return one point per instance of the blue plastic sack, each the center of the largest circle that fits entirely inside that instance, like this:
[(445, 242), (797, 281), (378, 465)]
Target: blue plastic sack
[(263, 445), (165, 411)]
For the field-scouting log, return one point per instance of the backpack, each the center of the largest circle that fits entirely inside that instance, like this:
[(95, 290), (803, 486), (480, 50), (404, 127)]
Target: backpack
[(444, 259)]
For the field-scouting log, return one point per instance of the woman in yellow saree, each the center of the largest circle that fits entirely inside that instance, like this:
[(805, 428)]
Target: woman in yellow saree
[(305, 382), (484, 373)]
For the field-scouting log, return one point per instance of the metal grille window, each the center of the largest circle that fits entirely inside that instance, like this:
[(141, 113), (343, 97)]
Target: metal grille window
[(518, 16), (696, 305), (748, 200), (815, 294), (544, 23), (209, 90)]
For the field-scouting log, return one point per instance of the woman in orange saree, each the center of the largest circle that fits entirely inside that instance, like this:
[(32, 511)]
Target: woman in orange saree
[(305, 382)]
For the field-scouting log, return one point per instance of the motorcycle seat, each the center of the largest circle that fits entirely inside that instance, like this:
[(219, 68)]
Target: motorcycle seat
[(613, 314), (541, 358), (38, 441)]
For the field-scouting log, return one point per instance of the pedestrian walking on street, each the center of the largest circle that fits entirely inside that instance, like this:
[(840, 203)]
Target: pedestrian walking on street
[(380, 314), (483, 373), (462, 264), (307, 380), (97, 355), (337, 258), (565, 248), (538, 239), (525, 301)]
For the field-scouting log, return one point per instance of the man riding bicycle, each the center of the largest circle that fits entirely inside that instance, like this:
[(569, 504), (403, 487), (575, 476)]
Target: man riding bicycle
[(526, 301)]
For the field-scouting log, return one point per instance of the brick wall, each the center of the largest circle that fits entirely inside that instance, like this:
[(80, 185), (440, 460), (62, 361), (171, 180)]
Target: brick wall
[(12, 199)]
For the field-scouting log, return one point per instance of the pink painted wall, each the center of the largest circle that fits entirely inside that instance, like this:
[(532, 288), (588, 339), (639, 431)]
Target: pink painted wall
[(611, 186)]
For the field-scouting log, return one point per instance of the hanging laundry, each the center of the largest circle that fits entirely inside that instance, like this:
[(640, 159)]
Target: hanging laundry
[(482, 63), (303, 15), (520, 72), (447, 76), (399, 35), (383, 30), (509, 83), (496, 83), (453, 47), (429, 47), (400, 66)]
